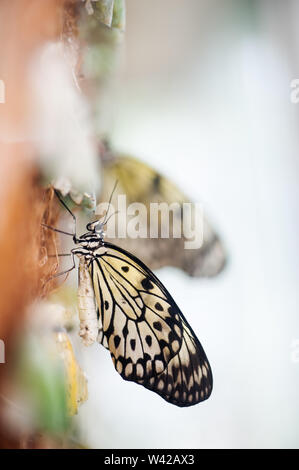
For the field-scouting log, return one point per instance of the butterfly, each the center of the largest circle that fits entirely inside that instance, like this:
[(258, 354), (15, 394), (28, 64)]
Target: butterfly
[(128, 310), (142, 183)]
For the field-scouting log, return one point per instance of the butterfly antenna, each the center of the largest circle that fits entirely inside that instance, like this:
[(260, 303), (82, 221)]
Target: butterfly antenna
[(111, 215), (68, 209), (109, 203)]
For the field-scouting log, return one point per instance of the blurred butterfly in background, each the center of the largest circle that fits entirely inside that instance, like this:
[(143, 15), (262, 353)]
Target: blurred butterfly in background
[(141, 183), (124, 306)]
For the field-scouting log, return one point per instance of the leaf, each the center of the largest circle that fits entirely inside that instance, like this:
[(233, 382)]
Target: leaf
[(76, 384)]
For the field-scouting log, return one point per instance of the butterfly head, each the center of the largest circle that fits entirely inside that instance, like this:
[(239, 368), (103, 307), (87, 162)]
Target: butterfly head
[(96, 227)]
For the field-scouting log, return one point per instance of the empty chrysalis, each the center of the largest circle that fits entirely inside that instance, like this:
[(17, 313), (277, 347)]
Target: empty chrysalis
[(86, 305)]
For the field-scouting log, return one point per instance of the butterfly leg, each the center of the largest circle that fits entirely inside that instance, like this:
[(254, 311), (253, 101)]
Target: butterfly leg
[(66, 271), (56, 230), (59, 254)]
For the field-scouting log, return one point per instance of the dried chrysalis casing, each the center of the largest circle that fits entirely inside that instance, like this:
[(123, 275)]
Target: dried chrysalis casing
[(87, 306)]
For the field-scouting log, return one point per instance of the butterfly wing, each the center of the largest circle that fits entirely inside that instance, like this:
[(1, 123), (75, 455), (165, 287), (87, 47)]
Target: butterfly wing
[(149, 339), (141, 183), (141, 330), (187, 379)]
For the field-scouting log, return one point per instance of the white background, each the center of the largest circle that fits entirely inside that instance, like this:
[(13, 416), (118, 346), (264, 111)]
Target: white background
[(204, 96)]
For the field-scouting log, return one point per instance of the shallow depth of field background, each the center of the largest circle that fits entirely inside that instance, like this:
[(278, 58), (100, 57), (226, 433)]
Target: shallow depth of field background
[(203, 94)]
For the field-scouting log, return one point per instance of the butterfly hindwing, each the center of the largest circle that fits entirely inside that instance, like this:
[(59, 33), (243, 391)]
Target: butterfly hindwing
[(149, 340), (187, 379)]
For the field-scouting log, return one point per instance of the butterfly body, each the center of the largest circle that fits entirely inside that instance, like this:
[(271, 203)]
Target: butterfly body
[(148, 337)]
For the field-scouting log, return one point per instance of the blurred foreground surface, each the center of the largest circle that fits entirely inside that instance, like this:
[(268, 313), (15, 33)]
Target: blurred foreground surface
[(203, 95)]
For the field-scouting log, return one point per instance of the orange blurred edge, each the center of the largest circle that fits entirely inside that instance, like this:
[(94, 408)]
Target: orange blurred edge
[(24, 247)]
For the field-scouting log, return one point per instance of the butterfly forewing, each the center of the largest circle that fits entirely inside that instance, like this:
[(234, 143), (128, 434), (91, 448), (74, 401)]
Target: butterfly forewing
[(140, 326), (149, 340)]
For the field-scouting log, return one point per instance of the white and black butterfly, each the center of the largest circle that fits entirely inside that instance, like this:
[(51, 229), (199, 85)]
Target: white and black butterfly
[(148, 337)]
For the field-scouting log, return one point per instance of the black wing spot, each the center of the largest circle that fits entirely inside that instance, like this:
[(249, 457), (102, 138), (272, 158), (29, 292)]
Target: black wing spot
[(142, 315), (172, 336), (148, 339), (156, 182), (158, 306), (125, 268), (106, 304), (146, 284), (125, 331), (157, 325), (175, 373), (133, 344), (171, 310), (116, 340)]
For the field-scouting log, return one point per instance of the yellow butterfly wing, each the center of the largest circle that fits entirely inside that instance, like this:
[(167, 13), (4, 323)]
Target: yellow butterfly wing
[(141, 183)]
